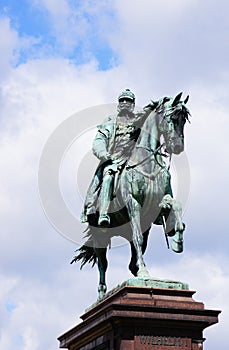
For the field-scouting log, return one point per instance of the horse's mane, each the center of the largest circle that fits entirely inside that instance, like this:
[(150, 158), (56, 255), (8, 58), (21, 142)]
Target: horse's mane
[(161, 105)]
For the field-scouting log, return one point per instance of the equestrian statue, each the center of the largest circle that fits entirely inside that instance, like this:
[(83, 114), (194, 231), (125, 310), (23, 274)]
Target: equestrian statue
[(131, 187)]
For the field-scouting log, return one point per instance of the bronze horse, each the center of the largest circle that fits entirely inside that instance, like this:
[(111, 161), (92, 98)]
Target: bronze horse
[(144, 194)]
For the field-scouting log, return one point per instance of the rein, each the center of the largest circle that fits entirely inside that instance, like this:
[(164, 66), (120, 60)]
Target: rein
[(154, 154)]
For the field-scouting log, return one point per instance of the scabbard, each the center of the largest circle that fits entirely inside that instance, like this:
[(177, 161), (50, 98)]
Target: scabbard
[(115, 186)]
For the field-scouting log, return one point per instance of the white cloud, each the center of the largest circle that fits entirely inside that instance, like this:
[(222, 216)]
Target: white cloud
[(58, 8), (8, 44), (40, 315), (36, 97), (67, 27), (169, 46), (12, 45), (150, 13), (77, 24)]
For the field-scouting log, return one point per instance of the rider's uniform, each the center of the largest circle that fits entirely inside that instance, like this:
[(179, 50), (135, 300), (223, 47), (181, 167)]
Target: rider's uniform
[(114, 141)]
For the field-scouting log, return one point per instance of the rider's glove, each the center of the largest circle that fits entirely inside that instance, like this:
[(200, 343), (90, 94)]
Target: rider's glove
[(105, 156)]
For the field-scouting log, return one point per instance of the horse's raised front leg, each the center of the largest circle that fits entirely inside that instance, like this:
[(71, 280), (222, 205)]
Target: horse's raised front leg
[(134, 213), (169, 203), (102, 266), (178, 242)]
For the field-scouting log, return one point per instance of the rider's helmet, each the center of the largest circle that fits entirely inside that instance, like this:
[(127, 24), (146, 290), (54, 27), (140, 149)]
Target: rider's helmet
[(127, 94)]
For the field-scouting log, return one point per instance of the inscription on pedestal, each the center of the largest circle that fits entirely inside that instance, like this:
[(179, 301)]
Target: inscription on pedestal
[(162, 342)]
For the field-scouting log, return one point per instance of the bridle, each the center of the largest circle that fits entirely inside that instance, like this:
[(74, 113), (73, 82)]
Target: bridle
[(155, 153)]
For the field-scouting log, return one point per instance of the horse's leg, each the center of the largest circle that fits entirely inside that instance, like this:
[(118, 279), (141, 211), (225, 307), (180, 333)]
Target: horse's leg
[(177, 241), (176, 211), (145, 240), (102, 266), (133, 262), (134, 213)]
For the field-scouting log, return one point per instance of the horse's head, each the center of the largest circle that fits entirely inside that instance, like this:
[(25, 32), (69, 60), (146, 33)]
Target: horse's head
[(173, 114)]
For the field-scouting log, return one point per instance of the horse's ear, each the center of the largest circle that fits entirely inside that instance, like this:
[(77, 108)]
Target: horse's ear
[(166, 99), (176, 99), (186, 100)]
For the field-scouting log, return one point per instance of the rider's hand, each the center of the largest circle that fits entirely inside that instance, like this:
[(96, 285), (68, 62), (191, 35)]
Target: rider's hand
[(114, 167), (115, 160), (105, 156)]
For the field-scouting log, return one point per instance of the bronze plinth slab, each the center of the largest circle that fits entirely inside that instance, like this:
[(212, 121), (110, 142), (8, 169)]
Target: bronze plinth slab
[(133, 317)]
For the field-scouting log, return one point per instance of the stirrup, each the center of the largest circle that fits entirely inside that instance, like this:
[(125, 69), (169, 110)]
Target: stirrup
[(104, 220)]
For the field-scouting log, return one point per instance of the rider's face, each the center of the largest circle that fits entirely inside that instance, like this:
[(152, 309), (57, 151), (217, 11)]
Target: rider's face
[(126, 104)]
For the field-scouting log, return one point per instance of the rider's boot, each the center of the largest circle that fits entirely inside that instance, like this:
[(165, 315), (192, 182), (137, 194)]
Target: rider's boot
[(104, 220), (104, 199)]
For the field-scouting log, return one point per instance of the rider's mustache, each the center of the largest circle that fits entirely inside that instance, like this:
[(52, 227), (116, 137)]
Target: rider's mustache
[(125, 108)]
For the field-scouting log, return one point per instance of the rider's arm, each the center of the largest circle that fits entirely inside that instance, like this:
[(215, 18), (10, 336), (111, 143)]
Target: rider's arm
[(100, 146)]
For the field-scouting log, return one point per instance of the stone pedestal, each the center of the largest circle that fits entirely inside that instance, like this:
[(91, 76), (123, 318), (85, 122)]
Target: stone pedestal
[(143, 314)]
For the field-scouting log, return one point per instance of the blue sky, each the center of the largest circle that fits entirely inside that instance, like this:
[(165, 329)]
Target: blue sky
[(32, 19), (59, 58), (27, 19)]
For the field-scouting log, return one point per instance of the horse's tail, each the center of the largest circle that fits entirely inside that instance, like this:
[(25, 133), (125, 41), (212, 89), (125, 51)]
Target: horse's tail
[(86, 253)]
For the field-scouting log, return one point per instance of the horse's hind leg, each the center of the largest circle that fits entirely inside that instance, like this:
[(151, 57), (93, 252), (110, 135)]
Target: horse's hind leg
[(133, 262), (102, 266)]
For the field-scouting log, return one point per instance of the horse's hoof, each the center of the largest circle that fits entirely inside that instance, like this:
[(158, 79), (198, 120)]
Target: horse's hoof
[(177, 242), (143, 273), (177, 247), (102, 291)]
